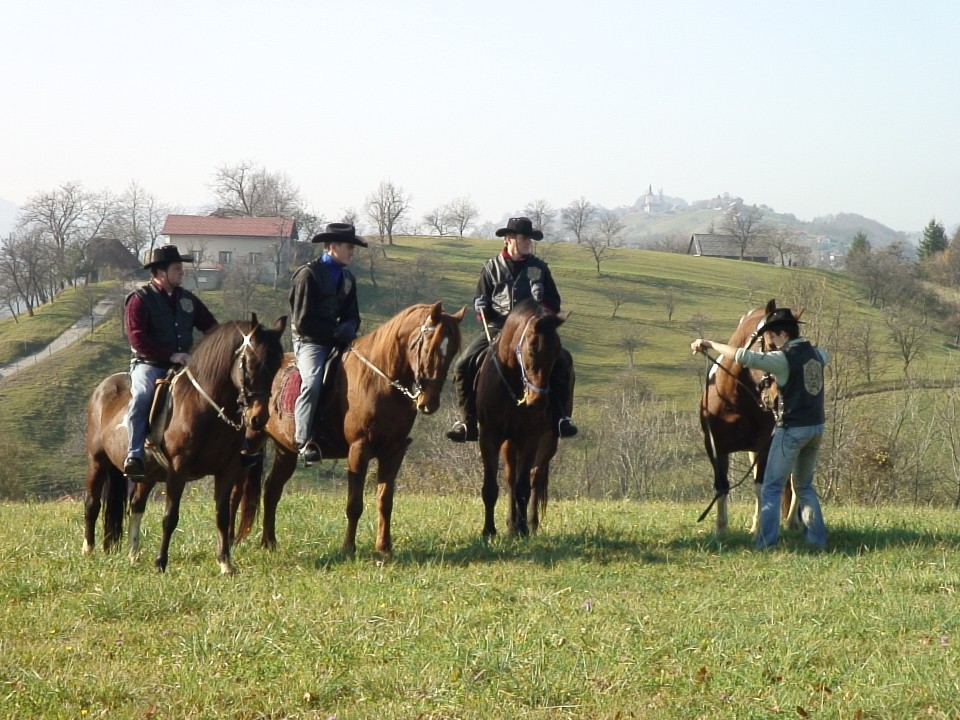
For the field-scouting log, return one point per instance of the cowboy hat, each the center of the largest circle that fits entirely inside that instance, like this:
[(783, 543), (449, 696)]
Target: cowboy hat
[(520, 226), (339, 232), (781, 317), (166, 255)]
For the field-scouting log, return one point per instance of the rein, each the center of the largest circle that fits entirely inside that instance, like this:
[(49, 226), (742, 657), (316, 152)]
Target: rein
[(524, 377)]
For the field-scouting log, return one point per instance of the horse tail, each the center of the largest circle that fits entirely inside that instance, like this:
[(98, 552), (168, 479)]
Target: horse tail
[(114, 507), (249, 499)]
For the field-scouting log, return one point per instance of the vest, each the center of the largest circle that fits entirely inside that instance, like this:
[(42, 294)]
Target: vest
[(803, 396), (509, 289), (326, 303), (169, 329)]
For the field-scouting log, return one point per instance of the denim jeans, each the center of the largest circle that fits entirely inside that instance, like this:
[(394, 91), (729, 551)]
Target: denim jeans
[(792, 449), (143, 382), (311, 358)]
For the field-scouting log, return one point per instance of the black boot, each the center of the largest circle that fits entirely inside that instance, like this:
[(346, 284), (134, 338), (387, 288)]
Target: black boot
[(464, 431)]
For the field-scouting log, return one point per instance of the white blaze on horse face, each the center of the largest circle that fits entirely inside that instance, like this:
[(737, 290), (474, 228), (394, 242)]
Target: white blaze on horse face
[(444, 347)]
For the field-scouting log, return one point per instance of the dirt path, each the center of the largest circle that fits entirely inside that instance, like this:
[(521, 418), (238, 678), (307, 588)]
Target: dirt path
[(80, 328)]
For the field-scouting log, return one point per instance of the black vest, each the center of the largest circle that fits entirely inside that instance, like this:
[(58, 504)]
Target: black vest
[(510, 289), (169, 328), (802, 396)]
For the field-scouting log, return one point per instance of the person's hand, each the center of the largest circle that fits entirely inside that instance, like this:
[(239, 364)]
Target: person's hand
[(536, 291), (345, 332), (179, 358), (700, 346), (480, 304)]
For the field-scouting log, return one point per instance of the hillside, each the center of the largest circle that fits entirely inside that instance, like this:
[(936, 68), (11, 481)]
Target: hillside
[(41, 422)]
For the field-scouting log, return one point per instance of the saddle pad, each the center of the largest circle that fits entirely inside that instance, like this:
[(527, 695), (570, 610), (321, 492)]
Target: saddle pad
[(290, 389)]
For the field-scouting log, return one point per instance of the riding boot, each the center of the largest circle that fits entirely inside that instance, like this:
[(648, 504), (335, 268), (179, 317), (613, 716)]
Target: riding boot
[(561, 399), (465, 429)]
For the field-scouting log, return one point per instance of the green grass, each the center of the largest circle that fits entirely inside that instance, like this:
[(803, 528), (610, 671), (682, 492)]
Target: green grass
[(615, 610)]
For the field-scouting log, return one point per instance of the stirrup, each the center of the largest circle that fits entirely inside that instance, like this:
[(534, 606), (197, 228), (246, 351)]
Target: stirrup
[(310, 453), (566, 428), (462, 432)]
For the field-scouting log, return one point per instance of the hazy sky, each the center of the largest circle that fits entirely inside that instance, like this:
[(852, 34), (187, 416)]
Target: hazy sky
[(809, 107)]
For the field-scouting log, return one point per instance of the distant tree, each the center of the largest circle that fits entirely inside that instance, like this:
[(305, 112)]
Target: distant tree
[(934, 240), (462, 213), (138, 220), (60, 218), (578, 218), (385, 206), (906, 333), (780, 242), (541, 213), (631, 339), (745, 225), (670, 300), (438, 220), (247, 189)]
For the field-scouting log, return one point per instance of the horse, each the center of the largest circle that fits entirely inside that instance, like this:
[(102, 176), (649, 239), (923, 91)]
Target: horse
[(224, 387), (514, 414), (738, 414), (383, 381)]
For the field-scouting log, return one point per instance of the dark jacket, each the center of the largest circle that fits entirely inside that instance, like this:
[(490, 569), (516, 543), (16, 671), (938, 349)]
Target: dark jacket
[(505, 282), (323, 310), (158, 326), (803, 394)]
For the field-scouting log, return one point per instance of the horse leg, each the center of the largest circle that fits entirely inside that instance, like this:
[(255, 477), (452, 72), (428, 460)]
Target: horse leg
[(223, 484), (171, 517), (789, 507), (520, 498), (489, 451), (96, 480), (357, 462), (284, 463), (721, 470), (138, 504), (540, 481), (387, 469)]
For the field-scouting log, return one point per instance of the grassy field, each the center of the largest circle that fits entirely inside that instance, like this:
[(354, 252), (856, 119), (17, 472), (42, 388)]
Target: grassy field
[(616, 610)]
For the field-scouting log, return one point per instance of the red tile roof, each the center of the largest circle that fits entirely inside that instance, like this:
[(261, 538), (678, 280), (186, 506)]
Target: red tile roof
[(254, 227)]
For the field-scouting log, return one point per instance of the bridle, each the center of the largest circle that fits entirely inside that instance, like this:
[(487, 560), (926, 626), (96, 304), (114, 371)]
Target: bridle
[(419, 379), (245, 396), (524, 376)]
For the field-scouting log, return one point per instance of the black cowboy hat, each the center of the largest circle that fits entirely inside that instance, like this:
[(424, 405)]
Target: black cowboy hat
[(339, 232), (520, 226), (166, 255), (781, 317)]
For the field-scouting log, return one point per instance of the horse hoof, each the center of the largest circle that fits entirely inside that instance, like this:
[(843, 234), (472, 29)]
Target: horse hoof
[(226, 568)]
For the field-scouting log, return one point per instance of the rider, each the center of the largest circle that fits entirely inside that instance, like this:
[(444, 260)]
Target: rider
[(324, 312), (797, 365), (159, 319), (513, 275)]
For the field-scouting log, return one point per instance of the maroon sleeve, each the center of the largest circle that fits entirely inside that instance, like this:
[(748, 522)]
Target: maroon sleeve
[(203, 319), (137, 321)]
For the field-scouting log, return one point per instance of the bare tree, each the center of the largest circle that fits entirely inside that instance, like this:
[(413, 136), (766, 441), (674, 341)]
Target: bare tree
[(138, 220), (60, 216), (670, 299), (578, 217), (602, 244), (385, 206), (779, 241), (247, 189), (865, 353), (462, 213), (438, 220), (541, 213), (745, 225), (906, 334), (618, 296), (631, 340)]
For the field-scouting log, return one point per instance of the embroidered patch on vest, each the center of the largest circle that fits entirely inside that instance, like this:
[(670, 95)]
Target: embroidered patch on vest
[(186, 304), (813, 377), (533, 273), (347, 284)]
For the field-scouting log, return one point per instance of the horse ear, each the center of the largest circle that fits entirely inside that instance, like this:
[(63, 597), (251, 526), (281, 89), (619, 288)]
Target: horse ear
[(799, 313), (436, 312), (280, 324), (253, 320), (459, 315), (771, 305)]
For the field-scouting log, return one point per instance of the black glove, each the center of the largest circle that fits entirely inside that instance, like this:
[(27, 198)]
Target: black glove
[(536, 291), (345, 332)]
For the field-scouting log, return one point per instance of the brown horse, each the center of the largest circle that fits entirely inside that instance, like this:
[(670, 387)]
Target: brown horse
[(737, 414), (514, 416), (384, 379), (224, 387)]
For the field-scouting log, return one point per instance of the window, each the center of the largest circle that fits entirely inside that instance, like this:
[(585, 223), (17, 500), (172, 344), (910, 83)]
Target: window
[(197, 255), (255, 258), (226, 256)]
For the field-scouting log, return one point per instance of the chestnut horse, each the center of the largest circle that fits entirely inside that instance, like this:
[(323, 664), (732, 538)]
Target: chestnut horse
[(514, 415), (224, 386), (737, 414), (384, 379)]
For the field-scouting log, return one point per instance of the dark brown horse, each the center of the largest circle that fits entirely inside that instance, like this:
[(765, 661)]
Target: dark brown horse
[(737, 414), (383, 381), (514, 416), (224, 387)]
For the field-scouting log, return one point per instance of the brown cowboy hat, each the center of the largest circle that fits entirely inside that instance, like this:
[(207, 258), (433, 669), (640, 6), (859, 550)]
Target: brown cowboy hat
[(520, 226), (339, 232), (781, 317), (165, 255)]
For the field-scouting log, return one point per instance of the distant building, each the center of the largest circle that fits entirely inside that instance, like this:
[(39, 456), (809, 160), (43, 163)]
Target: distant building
[(721, 246), (109, 258), (222, 242)]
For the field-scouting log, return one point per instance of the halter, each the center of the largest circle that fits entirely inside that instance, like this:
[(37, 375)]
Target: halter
[(418, 379), (244, 396), (524, 377)]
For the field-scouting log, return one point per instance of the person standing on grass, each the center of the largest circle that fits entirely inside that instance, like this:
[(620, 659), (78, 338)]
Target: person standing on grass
[(798, 367)]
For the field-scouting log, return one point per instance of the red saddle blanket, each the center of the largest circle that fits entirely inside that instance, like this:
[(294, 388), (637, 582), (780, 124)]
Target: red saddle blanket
[(290, 389)]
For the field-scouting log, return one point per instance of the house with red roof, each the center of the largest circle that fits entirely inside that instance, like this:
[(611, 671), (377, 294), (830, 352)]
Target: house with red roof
[(259, 247)]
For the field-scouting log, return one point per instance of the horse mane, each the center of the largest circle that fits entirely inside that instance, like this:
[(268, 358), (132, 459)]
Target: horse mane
[(547, 321), (212, 357), (381, 345)]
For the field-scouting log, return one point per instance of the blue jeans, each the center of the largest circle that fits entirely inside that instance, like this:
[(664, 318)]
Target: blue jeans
[(143, 382), (792, 449), (311, 358)]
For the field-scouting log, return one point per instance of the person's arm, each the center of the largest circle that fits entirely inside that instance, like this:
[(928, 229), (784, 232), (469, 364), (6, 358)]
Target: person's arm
[(136, 318), (203, 319), (551, 296), (774, 362)]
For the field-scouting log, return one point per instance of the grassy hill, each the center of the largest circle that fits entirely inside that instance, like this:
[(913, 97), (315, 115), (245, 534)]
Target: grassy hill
[(41, 421)]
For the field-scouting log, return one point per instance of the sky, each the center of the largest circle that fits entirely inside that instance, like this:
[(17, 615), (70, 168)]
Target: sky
[(811, 108)]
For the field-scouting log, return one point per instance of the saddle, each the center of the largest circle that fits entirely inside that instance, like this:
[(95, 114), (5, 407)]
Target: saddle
[(160, 409), (290, 389)]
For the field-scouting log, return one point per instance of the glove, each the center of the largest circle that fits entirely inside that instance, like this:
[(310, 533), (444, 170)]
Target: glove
[(480, 304), (536, 291), (344, 332)]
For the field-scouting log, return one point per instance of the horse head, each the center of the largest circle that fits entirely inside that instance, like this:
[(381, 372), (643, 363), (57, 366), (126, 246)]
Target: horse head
[(431, 348), (531, 344), (259, 354)]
